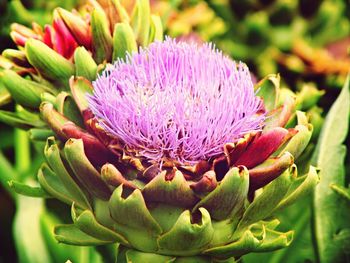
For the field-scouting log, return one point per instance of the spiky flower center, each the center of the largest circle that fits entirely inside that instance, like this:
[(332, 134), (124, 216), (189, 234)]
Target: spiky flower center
[(178, 101)]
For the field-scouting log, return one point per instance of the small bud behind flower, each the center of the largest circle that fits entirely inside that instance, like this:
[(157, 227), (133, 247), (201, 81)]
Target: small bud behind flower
[(48, 62), (123, 41), (77, 26), (101, 37), (85, 66)]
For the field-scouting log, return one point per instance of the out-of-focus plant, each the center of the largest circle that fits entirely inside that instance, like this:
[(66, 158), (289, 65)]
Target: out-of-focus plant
[(276, 36), (181, 18)]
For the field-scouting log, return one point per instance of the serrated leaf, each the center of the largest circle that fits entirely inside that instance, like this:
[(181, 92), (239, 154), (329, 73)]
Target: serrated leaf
[(331, 212)]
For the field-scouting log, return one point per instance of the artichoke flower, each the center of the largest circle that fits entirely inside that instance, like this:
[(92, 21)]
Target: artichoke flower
[(171, 152)]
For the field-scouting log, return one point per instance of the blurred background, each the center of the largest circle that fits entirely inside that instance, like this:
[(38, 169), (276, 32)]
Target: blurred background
[(306, 41)]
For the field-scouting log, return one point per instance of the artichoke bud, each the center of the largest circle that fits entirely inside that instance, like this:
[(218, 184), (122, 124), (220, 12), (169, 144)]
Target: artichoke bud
[(141, 21), (25, 92), (161, 177), (16, 56), (102, 41), (123, 41), (20, 34), (47, 62), (61, 39), (77, 26), (85, 66)]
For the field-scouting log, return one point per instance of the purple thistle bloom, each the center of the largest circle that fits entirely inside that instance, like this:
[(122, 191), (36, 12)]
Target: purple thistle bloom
[(177, 101)]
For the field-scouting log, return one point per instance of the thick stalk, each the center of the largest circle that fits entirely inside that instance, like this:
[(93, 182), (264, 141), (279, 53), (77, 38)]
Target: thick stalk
[(22, 152)]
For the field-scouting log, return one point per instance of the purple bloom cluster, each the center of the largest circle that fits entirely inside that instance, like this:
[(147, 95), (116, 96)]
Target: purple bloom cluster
[(178, 101)]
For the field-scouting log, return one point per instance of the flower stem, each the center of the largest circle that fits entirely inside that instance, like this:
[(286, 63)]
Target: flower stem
[(22, 152)]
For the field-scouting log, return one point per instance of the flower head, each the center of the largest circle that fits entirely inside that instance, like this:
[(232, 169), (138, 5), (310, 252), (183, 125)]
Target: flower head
[(177, 101)]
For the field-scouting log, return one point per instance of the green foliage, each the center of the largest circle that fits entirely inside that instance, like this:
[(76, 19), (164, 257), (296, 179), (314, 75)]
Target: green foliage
[(331, 211)]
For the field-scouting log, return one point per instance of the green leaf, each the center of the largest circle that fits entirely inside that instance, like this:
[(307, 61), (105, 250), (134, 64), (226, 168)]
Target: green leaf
[(298, 218), (342, 191), (175, 191), (7, 173), (37, 134), (156, 31), (66, 105), (331, 212), (297, 144), (301, 187)]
